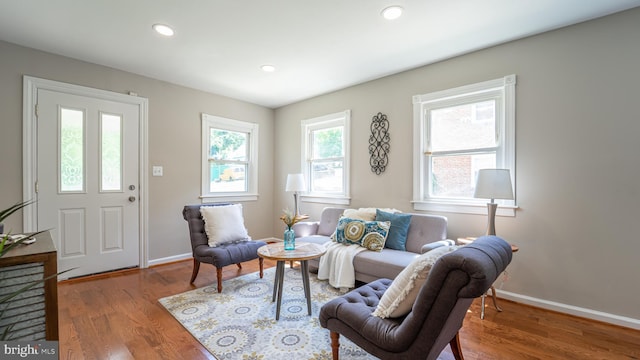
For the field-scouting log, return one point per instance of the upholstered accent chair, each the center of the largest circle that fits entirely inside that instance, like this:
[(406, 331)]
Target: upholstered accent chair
[(221, 255), (454, 281)]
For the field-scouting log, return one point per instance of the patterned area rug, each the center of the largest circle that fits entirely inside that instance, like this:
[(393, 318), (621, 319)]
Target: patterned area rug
[(239, 323)]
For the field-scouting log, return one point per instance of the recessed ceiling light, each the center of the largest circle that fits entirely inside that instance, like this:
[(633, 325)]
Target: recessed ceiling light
[(268, 68), (392, 12), (162, 29)]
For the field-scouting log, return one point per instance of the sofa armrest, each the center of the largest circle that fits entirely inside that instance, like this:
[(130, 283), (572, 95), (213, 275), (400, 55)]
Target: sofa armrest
[(306, 228), (436, 244)]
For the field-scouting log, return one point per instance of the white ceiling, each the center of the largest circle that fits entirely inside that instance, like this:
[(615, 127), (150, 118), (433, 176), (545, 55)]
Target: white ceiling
[(317, 46)]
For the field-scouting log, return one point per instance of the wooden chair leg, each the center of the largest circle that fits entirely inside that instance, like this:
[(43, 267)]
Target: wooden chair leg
[(219, 275), (196, 268), (335, 345), (261, 261), (456, 349)]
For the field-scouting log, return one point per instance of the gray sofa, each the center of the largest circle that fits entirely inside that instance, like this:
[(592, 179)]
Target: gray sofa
[(426, 232)]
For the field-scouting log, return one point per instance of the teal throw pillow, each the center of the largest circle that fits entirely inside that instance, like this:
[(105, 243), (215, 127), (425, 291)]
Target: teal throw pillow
[(397, 238), (369, 234)]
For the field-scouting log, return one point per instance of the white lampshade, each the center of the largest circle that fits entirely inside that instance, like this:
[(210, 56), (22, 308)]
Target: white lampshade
[(295, 182), (493, 184)]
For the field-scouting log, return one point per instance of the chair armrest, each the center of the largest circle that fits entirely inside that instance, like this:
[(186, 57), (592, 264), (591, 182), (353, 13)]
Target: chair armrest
[(436, 244), (306, 228)]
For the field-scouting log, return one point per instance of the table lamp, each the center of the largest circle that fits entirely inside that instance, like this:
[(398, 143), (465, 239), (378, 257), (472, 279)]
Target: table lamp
[(295, 183), (493, 184)]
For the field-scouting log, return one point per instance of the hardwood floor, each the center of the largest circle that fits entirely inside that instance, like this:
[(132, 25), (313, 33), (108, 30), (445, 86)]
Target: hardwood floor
[(117, 316)]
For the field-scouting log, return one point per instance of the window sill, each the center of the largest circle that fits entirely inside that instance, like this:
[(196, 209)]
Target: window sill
[(463, 208), (334, 200), (228, 198)]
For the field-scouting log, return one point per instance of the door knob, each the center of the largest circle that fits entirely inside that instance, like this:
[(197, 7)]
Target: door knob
[(132, 198)]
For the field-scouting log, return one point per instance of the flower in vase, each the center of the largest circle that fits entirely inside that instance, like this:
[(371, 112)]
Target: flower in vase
[(289, 218)]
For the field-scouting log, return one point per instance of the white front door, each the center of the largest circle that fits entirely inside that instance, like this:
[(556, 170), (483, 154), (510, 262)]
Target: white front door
[(88, 180)]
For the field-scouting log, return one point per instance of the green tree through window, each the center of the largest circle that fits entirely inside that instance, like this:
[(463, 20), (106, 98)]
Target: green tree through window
[(328, 143), (224, 144)]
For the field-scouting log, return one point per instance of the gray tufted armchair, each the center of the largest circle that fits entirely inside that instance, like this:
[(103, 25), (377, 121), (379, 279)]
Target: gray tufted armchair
[(220, 256), (454, 281)]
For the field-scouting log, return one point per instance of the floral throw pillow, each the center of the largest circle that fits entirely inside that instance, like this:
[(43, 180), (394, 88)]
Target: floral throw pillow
[(369, 234)]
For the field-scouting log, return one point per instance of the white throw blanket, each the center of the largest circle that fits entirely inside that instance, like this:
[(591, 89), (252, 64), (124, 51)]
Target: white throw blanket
[(337, 265)]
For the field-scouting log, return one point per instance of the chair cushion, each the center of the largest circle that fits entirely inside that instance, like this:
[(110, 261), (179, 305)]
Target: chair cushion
[(357, 304), (224, 224), (398, 300), (397, 237), (228, 253)]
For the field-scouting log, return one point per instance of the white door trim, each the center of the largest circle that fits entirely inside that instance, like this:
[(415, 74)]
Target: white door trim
[(31, 85)]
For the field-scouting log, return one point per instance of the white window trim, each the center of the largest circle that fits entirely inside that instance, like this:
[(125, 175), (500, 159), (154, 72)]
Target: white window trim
[(339, 118), (209, 121), (505, 158)]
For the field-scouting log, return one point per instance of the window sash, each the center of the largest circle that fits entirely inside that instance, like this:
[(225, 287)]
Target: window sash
[(461, 187), (247, 143), (473, 99), (247, 192), (316, 192), (502, 91)]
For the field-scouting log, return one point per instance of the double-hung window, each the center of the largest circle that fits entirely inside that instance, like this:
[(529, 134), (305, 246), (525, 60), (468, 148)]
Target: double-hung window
[(229, 159), (325, 158), (456, 133)]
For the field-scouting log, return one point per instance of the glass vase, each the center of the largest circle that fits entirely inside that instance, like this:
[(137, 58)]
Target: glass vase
[(289, 239)]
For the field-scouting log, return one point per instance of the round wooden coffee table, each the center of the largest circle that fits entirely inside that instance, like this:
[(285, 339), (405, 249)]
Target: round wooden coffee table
[(303, 252)]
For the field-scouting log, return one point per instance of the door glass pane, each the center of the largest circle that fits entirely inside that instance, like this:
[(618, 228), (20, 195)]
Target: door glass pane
[(463, 127), (455, 176), (71, 150), (111, 152)]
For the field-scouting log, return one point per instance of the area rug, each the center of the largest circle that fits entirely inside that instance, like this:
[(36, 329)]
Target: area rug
[(239, 323)]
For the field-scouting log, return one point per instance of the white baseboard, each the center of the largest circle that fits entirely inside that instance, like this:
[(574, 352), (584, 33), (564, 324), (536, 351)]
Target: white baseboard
[(571, 310), (169, 259)]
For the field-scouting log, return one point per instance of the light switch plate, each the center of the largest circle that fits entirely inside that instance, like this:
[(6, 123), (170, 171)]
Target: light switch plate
[(157, 171)]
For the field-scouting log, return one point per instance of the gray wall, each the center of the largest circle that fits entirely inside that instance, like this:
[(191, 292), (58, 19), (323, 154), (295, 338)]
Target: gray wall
[(174, 141), (577, 146), (577, 166)]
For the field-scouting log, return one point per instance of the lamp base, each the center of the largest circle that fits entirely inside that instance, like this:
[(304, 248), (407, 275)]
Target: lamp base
[(295, 205), (491, 218)]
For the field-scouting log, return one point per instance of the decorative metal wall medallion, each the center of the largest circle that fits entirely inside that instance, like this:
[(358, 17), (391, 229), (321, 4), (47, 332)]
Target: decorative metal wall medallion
[(379, 143)]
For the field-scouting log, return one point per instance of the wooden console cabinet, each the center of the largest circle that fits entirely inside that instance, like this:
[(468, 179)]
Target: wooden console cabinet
[(34, 313)]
